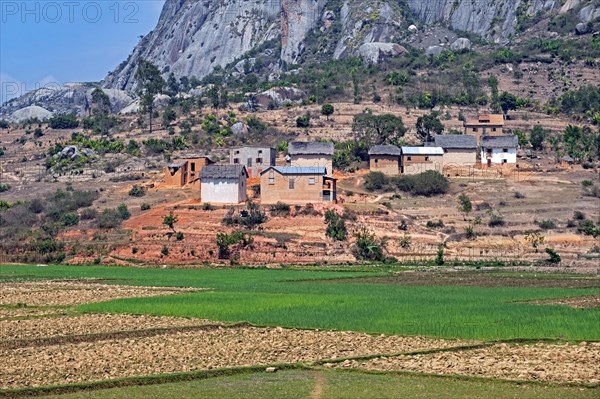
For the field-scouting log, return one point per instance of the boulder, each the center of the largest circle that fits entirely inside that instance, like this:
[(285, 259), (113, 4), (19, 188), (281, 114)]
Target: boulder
[(160, 101), (582, 28), (461, 44), (239, 129), (32, 111), (70, 151), (434, 50), (88, 152), (278, 96), (413, 29), (374, 53)]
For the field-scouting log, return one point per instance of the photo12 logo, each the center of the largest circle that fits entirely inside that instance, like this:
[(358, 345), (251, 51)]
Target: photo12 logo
[(68, 11)]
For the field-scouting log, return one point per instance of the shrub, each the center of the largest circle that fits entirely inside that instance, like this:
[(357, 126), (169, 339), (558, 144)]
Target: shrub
[(405, 241), (4, 187), (439, 257), (587, 183), (164, 251), (123, 212), (470, 232), (109, 219), (250, 217), (206, 206), (546, 224), (70, 219), (36, 206), (63, 121), (578, 215), (336, 226), (375, 181), (519, 195), (432, 224), (179, 236), (88, 214), (496, 220), (554, 257), (224, 241), (303, 121), (368, 247), (588, 228), (145, 207), (137, 191), (170, 220), (280, 209), (429, 183)]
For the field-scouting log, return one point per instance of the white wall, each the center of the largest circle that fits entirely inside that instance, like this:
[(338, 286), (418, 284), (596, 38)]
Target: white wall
[(223, 191), (498, 156)]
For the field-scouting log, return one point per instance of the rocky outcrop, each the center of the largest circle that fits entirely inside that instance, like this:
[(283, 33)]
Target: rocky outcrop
[(30, 112), (461, 44), (374, 53), (298, 17), (277, 96)]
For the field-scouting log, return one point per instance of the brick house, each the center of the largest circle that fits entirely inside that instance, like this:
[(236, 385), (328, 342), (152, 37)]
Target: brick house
[(256, 159), (297, 185), (499, 150), (223, 184), (459, 149), (415, 160), (186, 171), (385, 159), (485, 125), (311, 154)]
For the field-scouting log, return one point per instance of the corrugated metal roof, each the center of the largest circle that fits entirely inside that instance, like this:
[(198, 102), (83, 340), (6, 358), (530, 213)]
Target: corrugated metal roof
[(298, 170), (384, 150), (176, 164), (422, 151), (222, 171), (506, 141), (456, 141), (310, 148)]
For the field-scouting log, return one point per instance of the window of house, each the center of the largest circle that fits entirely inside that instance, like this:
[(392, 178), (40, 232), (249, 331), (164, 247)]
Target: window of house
[(409, 158), (377, 161), (427, 158), (505, 150), (311, 181), (193, 166), (474, 129), (259, 160), (260, 151), (236, 152), (271, 177), (236, 160), (249, 163), (292, 184), (493, 129), (505, 161)]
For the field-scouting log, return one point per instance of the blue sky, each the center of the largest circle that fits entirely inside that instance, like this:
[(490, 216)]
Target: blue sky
[(44, 41)]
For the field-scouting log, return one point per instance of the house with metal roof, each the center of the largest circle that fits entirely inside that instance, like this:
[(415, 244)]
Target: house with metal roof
[(185, 172), (484, 125), (297, 185), (415, 160), (314, 153), (223, 184), (385, 159), (459, 149), (499, 150)]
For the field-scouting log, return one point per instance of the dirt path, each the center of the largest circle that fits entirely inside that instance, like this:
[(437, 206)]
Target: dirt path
[(317, 391)]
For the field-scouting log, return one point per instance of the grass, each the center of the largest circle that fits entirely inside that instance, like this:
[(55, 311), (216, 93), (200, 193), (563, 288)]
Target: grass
[(334, 384), (315, 299)]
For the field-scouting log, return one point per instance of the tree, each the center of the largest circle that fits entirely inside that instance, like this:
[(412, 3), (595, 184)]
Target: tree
[(534, 239), (465, 205), (149, 84), (439, 257), (213, 95), (429, 124), (368, 247), (172, 85), (63, 121), (100, 102), (336, 226), (554, 257), (224, 98), (507, 102), (537, 136), (378, 129), (169, 116), (493, 84), (327, 109), (303, 121), (580, 143), (170, 220)]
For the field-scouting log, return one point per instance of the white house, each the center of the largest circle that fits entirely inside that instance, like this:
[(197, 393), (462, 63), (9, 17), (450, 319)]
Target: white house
[(499, 150), (223, 184)]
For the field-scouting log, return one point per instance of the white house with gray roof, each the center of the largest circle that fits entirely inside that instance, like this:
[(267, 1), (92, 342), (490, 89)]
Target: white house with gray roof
[(223, 184), (311, 154), (499, 150), (459, 149)]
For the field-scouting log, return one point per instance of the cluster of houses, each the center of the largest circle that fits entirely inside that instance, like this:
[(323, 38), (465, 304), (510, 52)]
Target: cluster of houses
[(307, 175)]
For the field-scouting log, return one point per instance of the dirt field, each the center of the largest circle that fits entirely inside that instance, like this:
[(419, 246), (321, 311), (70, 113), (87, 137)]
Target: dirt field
[(69, 293), (537, 362)]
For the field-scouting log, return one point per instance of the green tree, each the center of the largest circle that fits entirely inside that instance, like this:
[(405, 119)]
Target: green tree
[(508, 102), (534, 239), (537, 136), (149, 84), (439, 257), (554, 257), (303, 121), (224, 98), (465, 205), (169, 115), (100, 102), (172, 85), (493, 85), (170, 220), (378, 129), (429, 124), (327, 109)]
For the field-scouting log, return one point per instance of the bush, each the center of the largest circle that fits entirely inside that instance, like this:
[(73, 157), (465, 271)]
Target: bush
[(375, 181), (123, 212), (336, 226), (109, 219), (207, 207), (70, 219), (36, 206), (280, 209), (496, 220), (439, 257), (431, 224), (137, 191), (179, 236), (546, 224), (145, 207), (63, 121), (519, 195), (4, 187), (250, 217), (164, 251), (588, 228), (88, 214), (578, 215), (587, 183), (554, 257), (224, 241), (303, 121), (368, 247), (429, 183)]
